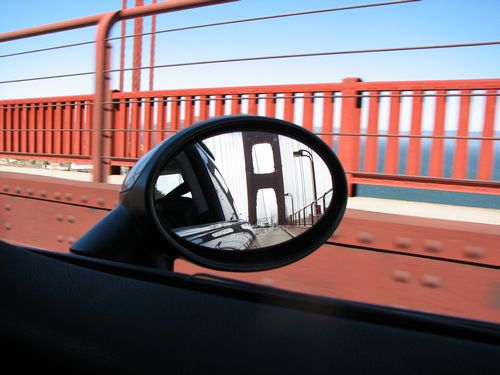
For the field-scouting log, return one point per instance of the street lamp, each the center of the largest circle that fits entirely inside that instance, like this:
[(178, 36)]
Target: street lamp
[(307, 154), (293, 210)]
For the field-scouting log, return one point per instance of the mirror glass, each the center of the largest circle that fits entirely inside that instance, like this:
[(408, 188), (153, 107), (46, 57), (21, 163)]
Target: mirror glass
[(242, 190)]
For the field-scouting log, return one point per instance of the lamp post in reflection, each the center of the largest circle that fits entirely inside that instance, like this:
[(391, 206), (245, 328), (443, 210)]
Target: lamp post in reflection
[(293, 210), (307, 154)]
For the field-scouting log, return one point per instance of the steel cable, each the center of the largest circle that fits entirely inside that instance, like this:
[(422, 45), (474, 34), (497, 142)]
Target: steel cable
[(318, 54), (244, 20), (260, 58), (283, 15)]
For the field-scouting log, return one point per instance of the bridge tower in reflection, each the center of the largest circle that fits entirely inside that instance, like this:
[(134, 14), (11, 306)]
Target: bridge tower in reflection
[(258, 181)]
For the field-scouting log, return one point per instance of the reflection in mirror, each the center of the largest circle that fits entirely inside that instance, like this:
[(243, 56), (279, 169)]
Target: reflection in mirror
[(242, 191)]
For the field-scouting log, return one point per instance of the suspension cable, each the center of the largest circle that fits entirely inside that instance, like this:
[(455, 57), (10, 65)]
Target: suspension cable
[(48, 48), (244, 20), (318, 54), (47, 77), (260, 58), (283, 15)]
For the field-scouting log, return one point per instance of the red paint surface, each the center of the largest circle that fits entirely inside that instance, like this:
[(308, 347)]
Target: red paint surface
[(409, 262)]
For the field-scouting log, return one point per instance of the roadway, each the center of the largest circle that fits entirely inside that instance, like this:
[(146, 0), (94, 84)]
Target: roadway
[(271, 236)]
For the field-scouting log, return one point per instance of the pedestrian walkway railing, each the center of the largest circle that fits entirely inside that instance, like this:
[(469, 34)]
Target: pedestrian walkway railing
[(441, 134)]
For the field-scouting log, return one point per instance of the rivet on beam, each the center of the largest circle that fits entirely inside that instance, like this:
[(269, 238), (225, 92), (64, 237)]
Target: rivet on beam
[(365, 237), (403, 242), (431, 281), (433, 246), (401, 276), (475, 252)]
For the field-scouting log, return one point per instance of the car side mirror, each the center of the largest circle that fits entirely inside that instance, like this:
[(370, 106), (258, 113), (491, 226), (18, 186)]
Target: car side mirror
[(236, 193)]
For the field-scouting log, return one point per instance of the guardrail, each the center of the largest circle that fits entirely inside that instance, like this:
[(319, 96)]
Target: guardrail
[(311, 213), (385, 133)]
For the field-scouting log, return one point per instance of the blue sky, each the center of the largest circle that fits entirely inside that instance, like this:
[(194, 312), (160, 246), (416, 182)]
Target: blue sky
[(420, 23)]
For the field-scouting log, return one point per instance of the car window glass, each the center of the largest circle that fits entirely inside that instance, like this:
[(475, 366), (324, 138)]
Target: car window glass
[(168, 182)]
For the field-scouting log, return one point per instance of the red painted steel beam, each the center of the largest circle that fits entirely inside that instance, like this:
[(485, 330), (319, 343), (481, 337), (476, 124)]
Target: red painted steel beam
[(45, 224), (408, 262), (49, 212), (82, 193), (444, 239), (383, 279), (461, 146), (392, 150), (422, 182), (102, 108), (413, 166), (349, 146), (462, 84), (46, 101), (371, 153), (122, 47), (51, 28), (137, 53), (485, 164), (234, 90), (152, 50), (170, 6), (436, 158)]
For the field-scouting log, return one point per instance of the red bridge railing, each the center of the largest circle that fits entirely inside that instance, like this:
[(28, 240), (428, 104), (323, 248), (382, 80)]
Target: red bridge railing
[(56, 129), (386, 133)]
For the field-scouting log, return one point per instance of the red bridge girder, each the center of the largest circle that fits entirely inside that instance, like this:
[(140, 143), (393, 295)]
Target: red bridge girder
[(447, 267)]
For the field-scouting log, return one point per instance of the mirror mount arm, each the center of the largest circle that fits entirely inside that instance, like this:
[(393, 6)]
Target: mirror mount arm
[(117, 238)]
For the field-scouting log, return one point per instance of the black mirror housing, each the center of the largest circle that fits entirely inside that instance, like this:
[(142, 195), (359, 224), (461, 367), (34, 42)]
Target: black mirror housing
[(135, 232)]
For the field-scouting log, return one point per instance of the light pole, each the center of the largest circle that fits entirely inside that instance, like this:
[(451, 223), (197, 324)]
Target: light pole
[(307, 154), (293, 210)]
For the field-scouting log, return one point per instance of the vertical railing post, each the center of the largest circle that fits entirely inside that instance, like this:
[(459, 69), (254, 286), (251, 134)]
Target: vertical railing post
[(351, 113), (461, 153), (101, 119), (486, 156)]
